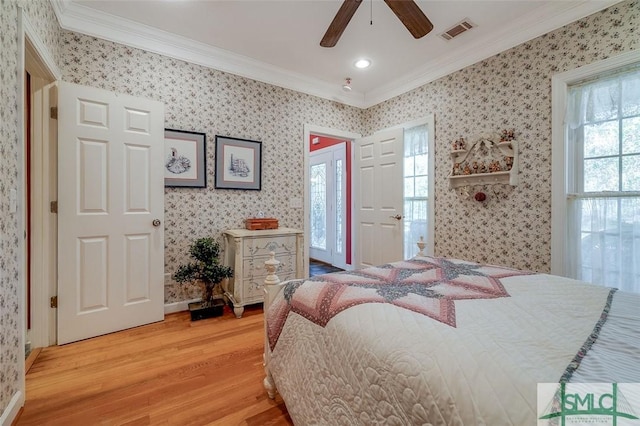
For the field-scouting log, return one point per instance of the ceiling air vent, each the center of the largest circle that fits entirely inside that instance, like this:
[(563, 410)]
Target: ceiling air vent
[(457, 29)]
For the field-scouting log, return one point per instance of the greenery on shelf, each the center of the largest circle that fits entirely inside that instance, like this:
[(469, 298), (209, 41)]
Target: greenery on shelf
[(206, 268)]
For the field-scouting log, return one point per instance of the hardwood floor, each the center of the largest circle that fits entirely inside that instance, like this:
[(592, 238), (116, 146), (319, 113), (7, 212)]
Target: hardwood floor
[(175, 372), (319, 268)]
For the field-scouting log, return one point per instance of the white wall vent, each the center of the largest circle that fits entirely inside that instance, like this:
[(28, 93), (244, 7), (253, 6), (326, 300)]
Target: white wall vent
[(457, 29)]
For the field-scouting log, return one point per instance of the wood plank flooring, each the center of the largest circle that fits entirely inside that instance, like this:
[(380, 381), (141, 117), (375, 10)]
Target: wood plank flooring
[(319, 268), (174, 372)]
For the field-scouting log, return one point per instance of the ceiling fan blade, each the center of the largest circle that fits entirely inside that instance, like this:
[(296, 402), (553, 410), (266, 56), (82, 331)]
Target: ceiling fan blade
[(339, 23), (411, 16)]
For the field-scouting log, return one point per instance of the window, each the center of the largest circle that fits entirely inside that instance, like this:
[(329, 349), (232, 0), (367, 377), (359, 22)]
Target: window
[(339, 203), (416, 187), (318, 186), (603, 179)]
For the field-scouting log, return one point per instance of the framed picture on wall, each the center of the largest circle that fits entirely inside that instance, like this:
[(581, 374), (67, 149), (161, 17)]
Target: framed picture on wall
[(185, 158), (238, 163)]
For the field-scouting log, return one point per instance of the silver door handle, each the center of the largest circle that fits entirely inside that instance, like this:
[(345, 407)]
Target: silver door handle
[(156, 222), (396, 217)]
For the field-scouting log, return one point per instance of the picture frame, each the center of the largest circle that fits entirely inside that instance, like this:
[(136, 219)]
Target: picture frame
[(238, 163), (185, 163)]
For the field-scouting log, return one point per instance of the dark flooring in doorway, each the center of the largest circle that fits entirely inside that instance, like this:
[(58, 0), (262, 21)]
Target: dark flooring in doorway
[(318, 268)]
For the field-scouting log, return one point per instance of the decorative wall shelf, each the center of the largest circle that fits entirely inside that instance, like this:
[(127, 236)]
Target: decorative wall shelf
[(488, 159), (480, 179)]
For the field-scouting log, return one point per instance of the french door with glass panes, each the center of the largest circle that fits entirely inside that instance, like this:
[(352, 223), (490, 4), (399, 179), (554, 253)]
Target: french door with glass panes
[(327, 169)]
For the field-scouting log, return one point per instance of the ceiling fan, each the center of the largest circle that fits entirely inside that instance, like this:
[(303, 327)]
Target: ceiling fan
[(406, 10)]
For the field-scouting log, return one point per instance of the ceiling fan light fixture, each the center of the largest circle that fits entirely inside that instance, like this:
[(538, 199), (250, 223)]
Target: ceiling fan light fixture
[(347, 84), (362, 63)]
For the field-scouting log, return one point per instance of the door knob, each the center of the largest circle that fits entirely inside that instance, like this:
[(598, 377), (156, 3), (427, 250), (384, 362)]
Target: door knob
[(156, 222), (396, 217)]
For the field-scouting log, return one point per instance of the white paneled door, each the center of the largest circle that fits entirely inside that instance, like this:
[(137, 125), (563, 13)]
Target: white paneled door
[(110, 212), (379, 198)]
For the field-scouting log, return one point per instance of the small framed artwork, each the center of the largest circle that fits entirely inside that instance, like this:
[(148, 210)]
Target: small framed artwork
[(238, 163), (185, 161)]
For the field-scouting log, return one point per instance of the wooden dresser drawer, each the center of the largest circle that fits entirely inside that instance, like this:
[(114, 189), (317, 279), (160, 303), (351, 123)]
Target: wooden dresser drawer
[(255, 267), (254, 247), (254, 286)]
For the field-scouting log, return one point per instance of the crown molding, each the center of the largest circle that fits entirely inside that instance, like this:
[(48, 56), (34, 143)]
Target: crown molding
[(78, 18), (517, 32), (85, 20)]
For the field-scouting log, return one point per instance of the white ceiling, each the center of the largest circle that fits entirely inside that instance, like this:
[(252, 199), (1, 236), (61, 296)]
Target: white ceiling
[(278, 41)]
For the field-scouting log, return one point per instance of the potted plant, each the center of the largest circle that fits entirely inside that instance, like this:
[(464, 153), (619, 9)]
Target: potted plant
[(207, 270)]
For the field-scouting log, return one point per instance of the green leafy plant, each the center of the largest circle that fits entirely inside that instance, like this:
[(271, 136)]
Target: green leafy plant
[(206, 268)]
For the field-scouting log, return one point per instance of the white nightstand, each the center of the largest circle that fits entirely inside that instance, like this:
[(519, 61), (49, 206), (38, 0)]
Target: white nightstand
[(246, 252)]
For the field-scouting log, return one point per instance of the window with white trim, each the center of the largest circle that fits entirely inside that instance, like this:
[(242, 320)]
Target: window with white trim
[(416, 188), (603, 179)]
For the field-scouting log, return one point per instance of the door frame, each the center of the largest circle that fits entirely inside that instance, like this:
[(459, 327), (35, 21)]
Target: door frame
[(40, 309), (43, 230), (308, 130), (340, 150), (43, 253)]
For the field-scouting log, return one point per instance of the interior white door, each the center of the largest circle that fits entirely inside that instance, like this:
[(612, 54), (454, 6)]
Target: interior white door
[(110, 192), (378, 198)]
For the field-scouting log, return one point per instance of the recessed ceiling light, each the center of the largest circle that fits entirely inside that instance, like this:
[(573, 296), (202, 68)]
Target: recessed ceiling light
[(362, 63)]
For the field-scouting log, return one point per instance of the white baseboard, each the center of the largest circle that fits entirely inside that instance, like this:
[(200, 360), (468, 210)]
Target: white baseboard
[(170, 308), (12, 410)]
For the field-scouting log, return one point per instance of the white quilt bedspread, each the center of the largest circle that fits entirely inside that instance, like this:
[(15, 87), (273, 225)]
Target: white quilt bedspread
[(377, 363)]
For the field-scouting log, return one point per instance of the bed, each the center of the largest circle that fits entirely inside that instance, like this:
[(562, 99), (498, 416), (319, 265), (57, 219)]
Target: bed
[(440, 341)]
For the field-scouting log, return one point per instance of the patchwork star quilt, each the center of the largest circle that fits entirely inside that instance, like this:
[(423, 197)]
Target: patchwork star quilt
[(425, 285)]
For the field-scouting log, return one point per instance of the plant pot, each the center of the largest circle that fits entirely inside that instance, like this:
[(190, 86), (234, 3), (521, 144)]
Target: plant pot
[(200, 310)]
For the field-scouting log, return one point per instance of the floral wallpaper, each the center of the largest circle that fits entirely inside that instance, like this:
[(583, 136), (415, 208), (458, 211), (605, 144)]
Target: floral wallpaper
[(205, 100), (9, 302), (42, 17), (509, 90)]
